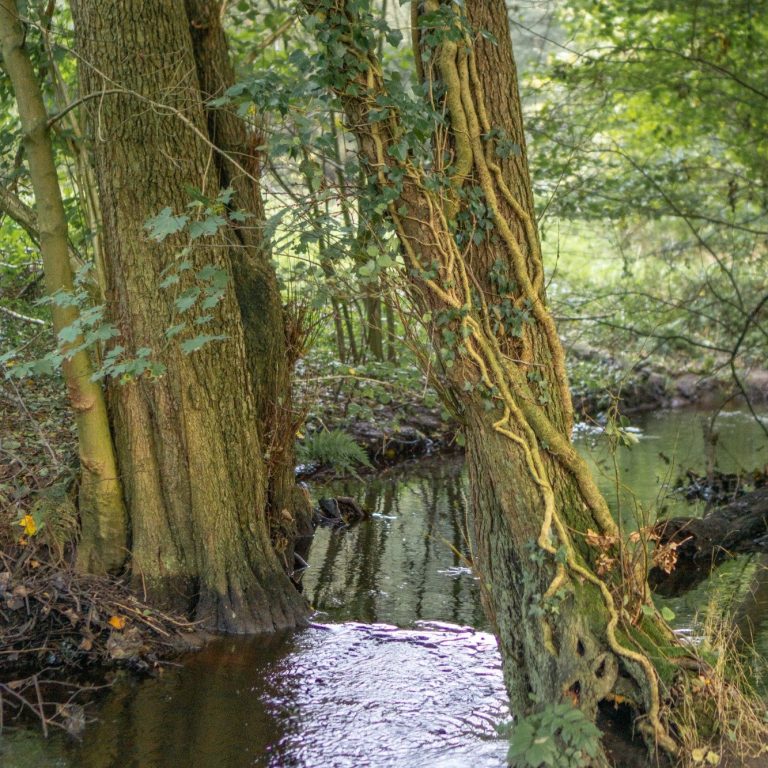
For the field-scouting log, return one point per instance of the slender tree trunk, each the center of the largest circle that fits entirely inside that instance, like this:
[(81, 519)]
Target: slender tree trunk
[(373, 335), (353, 349), (391, 331), (102, 512), (568, 598), (338, 330), (191, 443)]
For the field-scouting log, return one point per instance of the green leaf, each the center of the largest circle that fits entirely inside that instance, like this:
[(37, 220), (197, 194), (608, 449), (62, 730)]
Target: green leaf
[(169, 281), (174, 330), (192, 345), (667, 614), (165, 224), (206, 227), (187, 299), (70, 333), (367, 269)]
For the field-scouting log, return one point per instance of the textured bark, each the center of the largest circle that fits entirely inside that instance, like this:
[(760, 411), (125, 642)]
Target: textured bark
[(506, 500), (102, 512), (191, 455), (268, 349)]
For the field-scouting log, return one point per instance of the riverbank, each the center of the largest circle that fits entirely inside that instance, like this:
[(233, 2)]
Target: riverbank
[(403, 429)]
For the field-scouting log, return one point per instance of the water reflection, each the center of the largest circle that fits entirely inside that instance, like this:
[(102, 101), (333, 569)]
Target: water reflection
[(408, 562), (670, 442), (342, 695)]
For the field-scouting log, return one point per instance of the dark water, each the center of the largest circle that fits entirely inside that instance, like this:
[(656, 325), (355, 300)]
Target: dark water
[(398, 671)]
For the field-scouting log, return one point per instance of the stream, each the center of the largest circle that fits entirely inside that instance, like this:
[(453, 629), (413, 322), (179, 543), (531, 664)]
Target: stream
[(398, 668)]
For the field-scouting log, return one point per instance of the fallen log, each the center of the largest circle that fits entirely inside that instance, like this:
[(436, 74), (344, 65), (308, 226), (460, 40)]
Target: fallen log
[(738, 527), (702, 543)]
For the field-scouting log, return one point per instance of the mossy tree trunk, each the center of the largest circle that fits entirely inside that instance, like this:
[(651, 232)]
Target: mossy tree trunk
[(270, 341), (471, 252), (191, 443), (102, 512)]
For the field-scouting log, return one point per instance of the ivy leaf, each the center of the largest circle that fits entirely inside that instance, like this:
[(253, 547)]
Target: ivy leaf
[(174, 330), (169, 281), (187, 299), (212, 300), (70, 333), (216, 276)]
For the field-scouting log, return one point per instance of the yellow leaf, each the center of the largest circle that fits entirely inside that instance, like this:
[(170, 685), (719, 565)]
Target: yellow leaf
[(353, 371), (713, 758), (698, 755), (29, 525), (117, 622)]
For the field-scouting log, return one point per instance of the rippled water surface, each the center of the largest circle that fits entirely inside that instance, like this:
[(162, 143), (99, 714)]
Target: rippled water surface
[(343, 695), (399, 670)]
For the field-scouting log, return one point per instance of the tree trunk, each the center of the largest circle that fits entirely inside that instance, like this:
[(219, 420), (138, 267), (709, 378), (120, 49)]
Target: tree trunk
[(374, 339), (690, 548), (190, 442), (269, 352), (568, 598), (102, 512)]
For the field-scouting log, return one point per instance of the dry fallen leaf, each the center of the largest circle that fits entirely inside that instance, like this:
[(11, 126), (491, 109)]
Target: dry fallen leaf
[(605, 564), (599, 541), (72, 616), (116, 622), (28, 524)]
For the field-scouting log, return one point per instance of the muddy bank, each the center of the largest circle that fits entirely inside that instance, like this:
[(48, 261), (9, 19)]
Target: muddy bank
[(401, 431), (597, 378), (65, 634), (393, 434)]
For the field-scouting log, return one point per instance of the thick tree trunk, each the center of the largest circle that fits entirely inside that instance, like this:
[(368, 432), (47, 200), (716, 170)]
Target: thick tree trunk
[(102, 512), (570, 653), (189, 443), (268, 350)]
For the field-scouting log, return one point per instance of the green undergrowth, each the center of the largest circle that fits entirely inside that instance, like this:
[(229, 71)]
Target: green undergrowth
[(332, 448)]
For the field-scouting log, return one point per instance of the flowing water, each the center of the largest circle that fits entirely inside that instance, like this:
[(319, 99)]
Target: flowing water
[(398, 669)]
